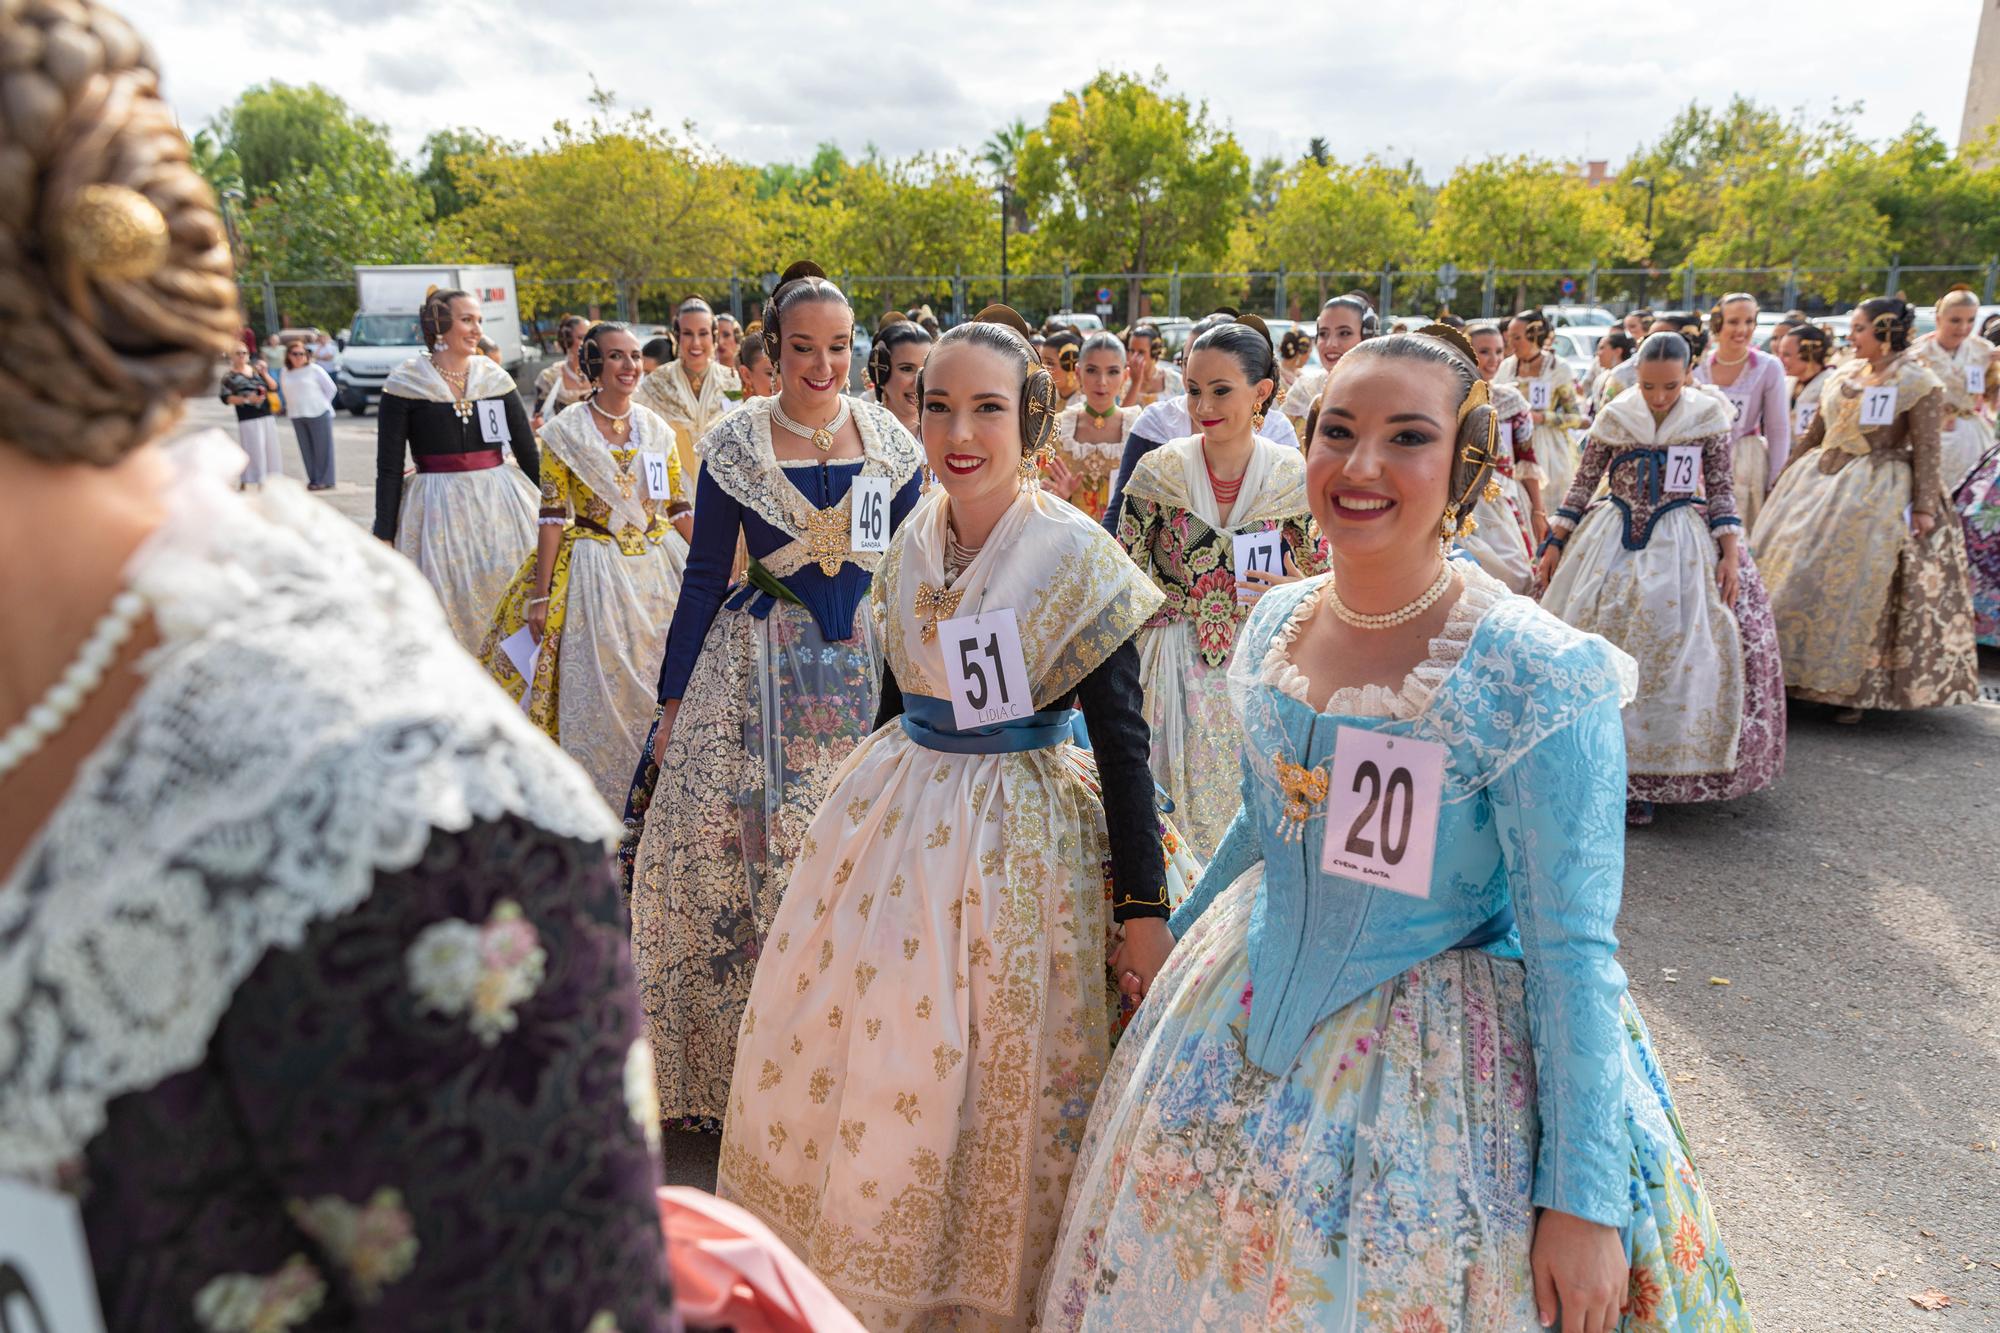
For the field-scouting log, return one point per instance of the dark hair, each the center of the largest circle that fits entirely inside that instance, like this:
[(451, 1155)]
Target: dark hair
[(658, 349), (1665, 347), (896, 333), (298, 344), (1039, 408), (1621, 342), (1814, 344), (1250, 346), (1144, 329), (1294, 343), (1363, 311), (589, 355), (569, 330), (747, 354), (690, 306), (1644, 312), (802, 283), (1990, 330), (1691, 327), (1102, 342), (434, 315), (1470, 466), (1451, 321), (1891, 318), (1535, 324), (1483, 326)]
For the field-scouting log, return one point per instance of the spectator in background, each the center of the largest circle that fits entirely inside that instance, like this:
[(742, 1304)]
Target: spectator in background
[(309, 395), (247, 388), (325, 352), (656, 353), (728, 340), (1637, 324)]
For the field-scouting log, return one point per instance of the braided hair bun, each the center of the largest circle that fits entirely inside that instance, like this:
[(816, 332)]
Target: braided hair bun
[(116, 294)]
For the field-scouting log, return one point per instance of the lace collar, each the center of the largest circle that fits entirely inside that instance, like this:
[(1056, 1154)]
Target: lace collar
[(1627, 422), (306, 723), (1480, 594), (739, 457), (418, 378)]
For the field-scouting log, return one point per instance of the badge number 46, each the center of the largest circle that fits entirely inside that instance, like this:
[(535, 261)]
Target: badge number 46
[(869, 528), (984, 671), (1382, 810)]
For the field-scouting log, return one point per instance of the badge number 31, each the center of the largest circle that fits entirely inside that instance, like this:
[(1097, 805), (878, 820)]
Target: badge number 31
[(983, 669), (1382, 810)]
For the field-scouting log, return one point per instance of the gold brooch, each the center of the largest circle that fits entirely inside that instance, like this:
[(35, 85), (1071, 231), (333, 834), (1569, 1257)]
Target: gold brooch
[(1304, 789), (114, 232), (825, 536), (933, 605)]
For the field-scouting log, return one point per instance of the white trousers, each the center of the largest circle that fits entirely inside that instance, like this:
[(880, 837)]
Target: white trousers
[(260, 442)]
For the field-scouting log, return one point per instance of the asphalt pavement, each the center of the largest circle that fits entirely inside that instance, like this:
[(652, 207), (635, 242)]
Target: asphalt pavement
[(1820, 967)]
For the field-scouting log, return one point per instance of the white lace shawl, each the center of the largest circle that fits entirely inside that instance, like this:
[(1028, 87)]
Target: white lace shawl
[(418, 378), (739, 456), (306, 724)]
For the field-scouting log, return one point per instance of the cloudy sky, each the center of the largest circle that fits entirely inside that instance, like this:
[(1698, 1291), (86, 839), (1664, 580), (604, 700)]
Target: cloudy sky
[(1428, 79)]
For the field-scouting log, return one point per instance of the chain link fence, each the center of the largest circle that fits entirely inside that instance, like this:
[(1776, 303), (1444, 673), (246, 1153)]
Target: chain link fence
[(1118, 298)]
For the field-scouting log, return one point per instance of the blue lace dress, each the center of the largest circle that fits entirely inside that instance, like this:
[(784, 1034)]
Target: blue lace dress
[(1341, 1106)]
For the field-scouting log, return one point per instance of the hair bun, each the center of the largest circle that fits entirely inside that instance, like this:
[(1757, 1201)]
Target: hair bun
[(1004, 314), (1258, 324), (804, 268), (1230, 311), (1452, 338), (890, 317)]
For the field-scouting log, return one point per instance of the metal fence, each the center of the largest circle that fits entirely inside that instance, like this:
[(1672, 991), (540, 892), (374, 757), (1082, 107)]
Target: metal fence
[(1120, 297)]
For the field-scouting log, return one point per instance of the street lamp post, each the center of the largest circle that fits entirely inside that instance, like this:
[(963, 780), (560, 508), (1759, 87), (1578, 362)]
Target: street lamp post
[(1647, 181), (1004, 192)]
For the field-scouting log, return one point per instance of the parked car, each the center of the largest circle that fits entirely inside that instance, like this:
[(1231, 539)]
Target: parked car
[(1577, 347), (1070, 319), (1579, 316)]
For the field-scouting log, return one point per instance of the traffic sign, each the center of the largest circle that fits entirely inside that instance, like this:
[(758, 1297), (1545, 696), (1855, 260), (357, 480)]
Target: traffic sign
[(1103, 309), (1103, 295), (1569, 286), (1447, 290), (1447, 274)]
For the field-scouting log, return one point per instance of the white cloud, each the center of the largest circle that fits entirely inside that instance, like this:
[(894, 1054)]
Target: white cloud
[(1428, 79)]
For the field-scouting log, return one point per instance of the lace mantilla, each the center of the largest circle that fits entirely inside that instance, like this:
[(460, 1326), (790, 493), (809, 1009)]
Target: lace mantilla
[(307, 722), (418, 378), (1479, 593), (738, 454)]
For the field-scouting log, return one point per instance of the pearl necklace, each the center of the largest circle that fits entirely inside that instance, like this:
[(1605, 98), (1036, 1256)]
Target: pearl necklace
[(821, 437), (1388, 619), (620, 422), (957, 558), (78, 681), (1717, 358)]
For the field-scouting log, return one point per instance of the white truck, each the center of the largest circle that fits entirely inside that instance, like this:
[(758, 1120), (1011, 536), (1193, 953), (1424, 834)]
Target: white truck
[(384, 333)]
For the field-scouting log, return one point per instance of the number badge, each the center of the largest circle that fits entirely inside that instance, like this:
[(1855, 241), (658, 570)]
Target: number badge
[(654, 461), (984, 672), (493, 421), (1382, 810), (1683, 468), (1258, 551), (1538, 395), (1878, 405), (868, 530)]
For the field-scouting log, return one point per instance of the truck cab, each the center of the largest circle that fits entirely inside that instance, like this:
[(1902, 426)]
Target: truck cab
[(385, 331)]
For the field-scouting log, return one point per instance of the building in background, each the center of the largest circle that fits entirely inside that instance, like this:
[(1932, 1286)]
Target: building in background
[(1982, 90)]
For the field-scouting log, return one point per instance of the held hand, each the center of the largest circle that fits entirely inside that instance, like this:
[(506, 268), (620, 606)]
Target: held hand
[(1057, 479), (538, 620), (1580, 1270), (1545, 568), (1728, 576), (1257, 582), (1537, 415), (1538, 524), (1143, 946), (535, 423), (1921, 523), (667, 716)]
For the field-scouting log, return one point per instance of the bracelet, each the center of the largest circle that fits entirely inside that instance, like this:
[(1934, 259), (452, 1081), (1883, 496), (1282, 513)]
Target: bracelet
[(536, 601), (1553, 539)]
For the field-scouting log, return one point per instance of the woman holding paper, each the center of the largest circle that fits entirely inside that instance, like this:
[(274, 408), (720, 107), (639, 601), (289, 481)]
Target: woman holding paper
[(766, 684), (580, 632), (938, 988), (1215, 518), (1390, 1078), (1867, 573), (1661, 571), (466, 519)]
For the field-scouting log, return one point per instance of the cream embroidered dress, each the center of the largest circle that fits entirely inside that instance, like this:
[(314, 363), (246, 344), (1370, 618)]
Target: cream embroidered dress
[(1176, 531), (779, 678), (617, 576), (692, 413), (1094, 464), (926, 1034), (1554, 444), (1500, 539), (1965, 435)]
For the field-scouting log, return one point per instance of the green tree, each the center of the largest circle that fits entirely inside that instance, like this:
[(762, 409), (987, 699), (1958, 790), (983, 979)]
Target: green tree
[(216, 161), (617, 197), (441, 150), (1340, 218), (279, 132), (1125, 176), (925, 215), (1317, 150), (1525, 212), (1940, 207)]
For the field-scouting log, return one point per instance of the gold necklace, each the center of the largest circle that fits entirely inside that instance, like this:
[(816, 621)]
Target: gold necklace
[(457, 384), (1402, 614)]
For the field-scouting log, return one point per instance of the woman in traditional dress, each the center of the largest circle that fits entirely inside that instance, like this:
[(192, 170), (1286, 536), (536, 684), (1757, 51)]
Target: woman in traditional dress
[(1544, 379), (1501, 539), (895, 359), (1090, 435), (1867, 574), (1979, 506), (693, 391), (1754, 384), (765, 687), (1344, 323), (1969, 369), (1061, 353), (466, 518), (1151, 374), (753, 365), (598, 593), (315, 973), (1294, 355), (1614, 349), (939, 985), (1184, 517), (1346, 1106), (1804, 351), (562, 382), (1661, 570)]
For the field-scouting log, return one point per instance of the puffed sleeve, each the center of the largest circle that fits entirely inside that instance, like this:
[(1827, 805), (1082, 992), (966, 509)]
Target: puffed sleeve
[(1589, 471), (1564, 411), (1242, 847), (558, 499), (1560, 812)]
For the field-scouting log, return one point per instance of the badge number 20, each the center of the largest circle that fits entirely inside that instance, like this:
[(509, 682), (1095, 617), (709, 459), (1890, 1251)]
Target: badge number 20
[(1382, 810), (985, 673)]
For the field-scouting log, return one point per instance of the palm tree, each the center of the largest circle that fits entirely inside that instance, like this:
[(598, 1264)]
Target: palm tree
[(1002, 152)]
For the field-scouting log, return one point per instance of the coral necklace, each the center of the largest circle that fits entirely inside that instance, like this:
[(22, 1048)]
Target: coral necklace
[(1225, 491)]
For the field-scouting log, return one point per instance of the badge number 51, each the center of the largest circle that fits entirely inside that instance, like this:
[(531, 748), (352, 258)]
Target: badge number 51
[(983, 669), (1382, 810)]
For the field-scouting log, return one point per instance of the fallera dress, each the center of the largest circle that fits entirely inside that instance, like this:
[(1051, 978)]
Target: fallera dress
[(1340, 1105), (1761, 429), (1094, 464), (1554, 443), (1171, 524), (1639, 568), (1966, 432), (1501, 538), (926, 1034), (617, 576), (779, 677), (691, 412)]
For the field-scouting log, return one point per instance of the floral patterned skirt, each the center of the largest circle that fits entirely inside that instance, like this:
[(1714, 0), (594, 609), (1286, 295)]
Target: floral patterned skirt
[(1978, 504), (1195, 731), (772, 710), (1383, 1182)]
